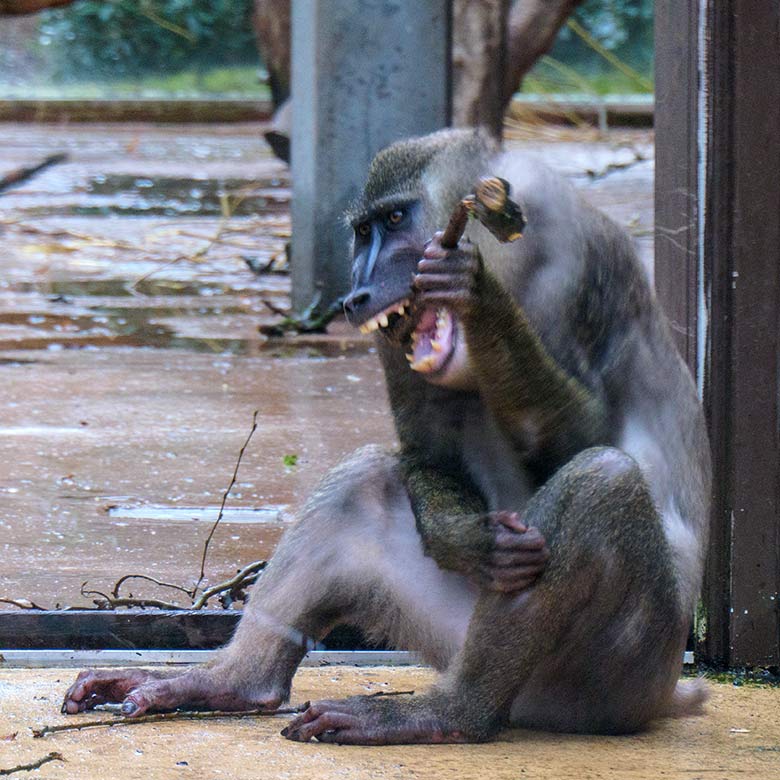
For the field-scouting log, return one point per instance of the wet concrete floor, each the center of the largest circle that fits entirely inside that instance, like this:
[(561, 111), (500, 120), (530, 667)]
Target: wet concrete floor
[(738, 738), (131, 363)]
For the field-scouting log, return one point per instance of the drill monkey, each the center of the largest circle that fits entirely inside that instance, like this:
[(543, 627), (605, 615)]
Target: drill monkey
[(540, 536)]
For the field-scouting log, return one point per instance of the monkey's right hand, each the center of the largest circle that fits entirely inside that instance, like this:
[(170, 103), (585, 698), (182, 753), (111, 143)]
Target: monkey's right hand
[(449, 277), (517, 557)]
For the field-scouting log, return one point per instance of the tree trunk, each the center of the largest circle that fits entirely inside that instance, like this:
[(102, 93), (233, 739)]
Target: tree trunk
[(19, 7), (272, 28), (479, 35), (531, 31)]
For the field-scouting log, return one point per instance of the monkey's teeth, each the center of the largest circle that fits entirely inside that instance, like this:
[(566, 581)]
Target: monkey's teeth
[(410, 357), (425, 364), (381, 320), (436, 346), (415, 338)]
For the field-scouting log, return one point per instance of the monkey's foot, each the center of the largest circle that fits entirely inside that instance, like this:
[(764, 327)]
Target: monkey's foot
[(140, 691), (371, 720)]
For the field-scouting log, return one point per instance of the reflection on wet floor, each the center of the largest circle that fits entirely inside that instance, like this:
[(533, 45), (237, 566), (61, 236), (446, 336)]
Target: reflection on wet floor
[(131, 362), (129, 381)]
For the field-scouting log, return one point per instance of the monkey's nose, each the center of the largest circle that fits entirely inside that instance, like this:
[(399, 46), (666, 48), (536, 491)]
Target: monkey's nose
[(355, 302)]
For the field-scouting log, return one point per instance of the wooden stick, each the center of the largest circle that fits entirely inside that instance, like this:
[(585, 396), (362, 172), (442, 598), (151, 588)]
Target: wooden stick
[(165, 716), (492, 206)]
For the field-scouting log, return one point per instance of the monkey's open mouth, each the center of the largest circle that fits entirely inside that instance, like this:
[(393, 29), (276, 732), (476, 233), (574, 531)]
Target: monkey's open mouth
[(433, 340), (385, 317)]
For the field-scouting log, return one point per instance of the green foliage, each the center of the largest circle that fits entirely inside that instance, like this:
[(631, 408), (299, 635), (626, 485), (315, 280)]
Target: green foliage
[(290, 461), (623, 27), (119, 39)]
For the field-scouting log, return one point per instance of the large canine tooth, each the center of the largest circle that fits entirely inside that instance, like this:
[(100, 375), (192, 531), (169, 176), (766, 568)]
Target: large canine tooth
[(364, 328), (424, 364), (382, 319), (372, 325), (436, 346), (410, 357), (401, 309)]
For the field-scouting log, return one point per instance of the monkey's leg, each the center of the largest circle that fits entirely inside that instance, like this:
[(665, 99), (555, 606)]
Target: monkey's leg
[(605, 607), (354, 557)]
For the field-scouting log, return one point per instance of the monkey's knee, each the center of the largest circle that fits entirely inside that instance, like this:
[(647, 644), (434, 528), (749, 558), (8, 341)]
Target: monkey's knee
[(602, 481), (365, 489), (585, 505)]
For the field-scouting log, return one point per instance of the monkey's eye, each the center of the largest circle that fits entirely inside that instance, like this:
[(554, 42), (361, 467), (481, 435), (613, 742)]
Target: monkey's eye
[(396, 216), (364, 229)]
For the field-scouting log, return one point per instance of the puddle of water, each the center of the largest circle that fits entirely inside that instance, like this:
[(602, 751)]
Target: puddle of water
[(131, 195), (207, 514), (67, 289)]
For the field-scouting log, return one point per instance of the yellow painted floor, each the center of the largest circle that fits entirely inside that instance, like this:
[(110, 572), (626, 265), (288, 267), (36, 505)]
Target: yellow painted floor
[(738, 738)]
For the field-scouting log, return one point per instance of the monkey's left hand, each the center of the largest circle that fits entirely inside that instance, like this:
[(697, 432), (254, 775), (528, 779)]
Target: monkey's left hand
[(449, 277)]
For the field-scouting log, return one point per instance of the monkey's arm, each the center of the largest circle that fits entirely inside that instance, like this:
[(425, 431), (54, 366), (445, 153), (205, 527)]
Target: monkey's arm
[(547, 414), (493, 549)]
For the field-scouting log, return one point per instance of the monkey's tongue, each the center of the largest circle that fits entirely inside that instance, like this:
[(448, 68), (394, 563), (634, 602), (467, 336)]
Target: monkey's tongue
[(432, 340)]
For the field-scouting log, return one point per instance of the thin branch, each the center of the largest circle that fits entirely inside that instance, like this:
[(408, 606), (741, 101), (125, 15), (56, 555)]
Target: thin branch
[(247, 576), (109, 602), (22, 603), (122, 580), (165, 716), (309, 320), (53, 756), (224, 501), (21, 175)]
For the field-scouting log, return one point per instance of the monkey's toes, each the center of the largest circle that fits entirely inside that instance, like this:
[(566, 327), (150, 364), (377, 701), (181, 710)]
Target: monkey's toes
[(365, 720), (96, 686)]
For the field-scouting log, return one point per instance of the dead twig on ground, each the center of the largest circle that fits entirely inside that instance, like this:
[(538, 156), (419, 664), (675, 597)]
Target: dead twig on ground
[(53, 756), (122, 580), (106, 601), (21, 175), (232, 589), (593, 175), (224, 501), (166, 716), (309, 321), (21, 603)]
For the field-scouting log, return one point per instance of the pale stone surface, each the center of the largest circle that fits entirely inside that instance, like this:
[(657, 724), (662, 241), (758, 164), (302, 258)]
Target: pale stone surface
[(739, 737)]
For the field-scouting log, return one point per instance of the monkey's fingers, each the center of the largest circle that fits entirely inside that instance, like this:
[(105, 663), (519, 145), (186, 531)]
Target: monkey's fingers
[(509, 579), (444, 281), (519, 559), (510, 520), (457, 263), (506, 539), (515, 584)]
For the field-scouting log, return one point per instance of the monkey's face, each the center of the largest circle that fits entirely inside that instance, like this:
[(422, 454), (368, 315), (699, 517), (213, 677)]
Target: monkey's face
[(388, 244)]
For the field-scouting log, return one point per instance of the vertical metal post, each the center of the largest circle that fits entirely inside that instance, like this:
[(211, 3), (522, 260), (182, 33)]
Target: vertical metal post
[(364, 73)]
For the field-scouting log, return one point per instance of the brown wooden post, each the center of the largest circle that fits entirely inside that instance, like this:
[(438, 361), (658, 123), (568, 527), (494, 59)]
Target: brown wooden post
[(718, 274), (742, 242), (676, 169)]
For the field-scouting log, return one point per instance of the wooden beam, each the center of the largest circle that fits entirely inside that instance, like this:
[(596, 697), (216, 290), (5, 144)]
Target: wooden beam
[(742, 257), (676, 170), (718, 276), (137, 629)]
